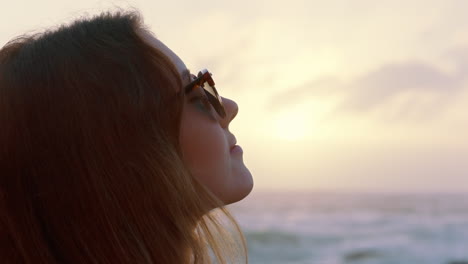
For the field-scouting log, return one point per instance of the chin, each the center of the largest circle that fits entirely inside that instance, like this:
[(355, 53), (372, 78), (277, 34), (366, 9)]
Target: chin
[(243, 191)]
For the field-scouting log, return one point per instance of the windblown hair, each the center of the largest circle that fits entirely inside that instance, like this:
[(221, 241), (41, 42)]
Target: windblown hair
[(91, 169)]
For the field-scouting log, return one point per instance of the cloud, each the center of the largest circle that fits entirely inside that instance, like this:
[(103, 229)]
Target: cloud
[(459, 55), (378, 89), (310, 91)]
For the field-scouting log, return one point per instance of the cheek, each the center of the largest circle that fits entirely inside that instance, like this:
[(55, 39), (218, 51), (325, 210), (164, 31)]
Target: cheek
[(204, 148)]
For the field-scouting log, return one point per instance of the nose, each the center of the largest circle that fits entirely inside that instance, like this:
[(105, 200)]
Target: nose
[(231, 108)]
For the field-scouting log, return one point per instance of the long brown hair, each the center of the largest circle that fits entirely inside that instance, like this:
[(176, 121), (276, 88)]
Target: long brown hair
[(90, 163)]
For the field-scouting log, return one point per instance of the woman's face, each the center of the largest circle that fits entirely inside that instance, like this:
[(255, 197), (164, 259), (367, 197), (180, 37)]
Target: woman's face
[(206, 141)]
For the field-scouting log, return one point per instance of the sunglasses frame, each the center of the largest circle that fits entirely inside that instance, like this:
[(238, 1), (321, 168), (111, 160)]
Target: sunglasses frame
[(205, 81)]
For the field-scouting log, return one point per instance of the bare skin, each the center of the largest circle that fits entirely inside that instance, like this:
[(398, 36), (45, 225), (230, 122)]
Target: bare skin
[(206, 140)]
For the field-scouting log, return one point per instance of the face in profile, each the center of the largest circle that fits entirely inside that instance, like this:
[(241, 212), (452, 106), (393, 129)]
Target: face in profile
[(206, 141)]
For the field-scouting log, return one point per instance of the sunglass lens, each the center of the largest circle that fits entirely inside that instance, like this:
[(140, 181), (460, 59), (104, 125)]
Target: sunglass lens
[(217, 104), (212, 93)]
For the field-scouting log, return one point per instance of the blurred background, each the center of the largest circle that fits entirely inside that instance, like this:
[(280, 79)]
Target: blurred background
[(352, 117)]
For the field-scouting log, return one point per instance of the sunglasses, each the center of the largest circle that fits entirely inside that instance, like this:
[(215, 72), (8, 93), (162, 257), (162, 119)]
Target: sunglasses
[(205, 81)]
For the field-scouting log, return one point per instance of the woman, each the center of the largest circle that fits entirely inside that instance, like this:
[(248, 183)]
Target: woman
[(112, 152)]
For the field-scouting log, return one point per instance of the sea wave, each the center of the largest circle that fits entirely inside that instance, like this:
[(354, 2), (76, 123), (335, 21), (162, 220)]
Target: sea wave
[(332, 228), (269, 237)]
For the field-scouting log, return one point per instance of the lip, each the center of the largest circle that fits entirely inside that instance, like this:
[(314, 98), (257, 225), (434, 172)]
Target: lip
[(236, 149), (233, 142)]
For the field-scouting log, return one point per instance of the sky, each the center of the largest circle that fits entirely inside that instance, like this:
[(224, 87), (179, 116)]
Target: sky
[(342, 95)]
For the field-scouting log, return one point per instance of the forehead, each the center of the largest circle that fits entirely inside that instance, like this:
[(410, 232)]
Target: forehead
[(179, 64)]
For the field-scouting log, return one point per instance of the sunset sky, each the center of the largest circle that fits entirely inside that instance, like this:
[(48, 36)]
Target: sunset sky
[(333, 95)]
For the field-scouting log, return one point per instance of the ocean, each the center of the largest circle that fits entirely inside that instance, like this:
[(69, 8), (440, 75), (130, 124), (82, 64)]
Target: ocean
[(355, 228)]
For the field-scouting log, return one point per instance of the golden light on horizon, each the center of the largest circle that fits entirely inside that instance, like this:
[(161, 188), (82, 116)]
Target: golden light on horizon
[(291, 126), (296, 122)]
